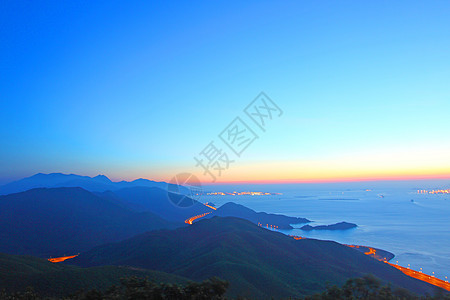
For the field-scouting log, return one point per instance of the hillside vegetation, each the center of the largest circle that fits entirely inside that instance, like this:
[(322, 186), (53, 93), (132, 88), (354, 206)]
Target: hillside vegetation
[(257, 262)]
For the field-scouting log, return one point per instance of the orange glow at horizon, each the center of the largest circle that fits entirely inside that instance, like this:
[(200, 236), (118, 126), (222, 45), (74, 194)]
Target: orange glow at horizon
[(393, 165), (280, 173), (270, 177), (336, 179), (389, 161), (397, 166)]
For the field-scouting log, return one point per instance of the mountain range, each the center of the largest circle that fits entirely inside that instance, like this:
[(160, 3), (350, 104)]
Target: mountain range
[(138, 230), (99, 183), (257, 262), (49, 222), (58, 221)]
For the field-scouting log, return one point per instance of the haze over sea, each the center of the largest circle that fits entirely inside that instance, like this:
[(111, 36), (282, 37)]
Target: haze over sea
[(390, 216)]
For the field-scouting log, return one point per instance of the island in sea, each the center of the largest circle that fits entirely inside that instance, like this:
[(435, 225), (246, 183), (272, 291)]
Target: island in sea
[(337, 226)]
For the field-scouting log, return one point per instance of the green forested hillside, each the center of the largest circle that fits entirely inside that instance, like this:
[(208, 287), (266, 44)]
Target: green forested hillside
[(19, 272), (257, 262)]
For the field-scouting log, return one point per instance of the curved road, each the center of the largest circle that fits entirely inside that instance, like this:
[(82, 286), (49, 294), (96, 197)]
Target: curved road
[(372, 252), (62, 258)]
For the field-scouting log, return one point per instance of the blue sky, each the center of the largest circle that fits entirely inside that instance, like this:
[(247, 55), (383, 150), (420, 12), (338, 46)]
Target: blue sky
[(132, 89)]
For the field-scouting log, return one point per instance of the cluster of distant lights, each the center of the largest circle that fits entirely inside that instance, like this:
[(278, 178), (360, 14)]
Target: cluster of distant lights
[(273, 227), (447, 191), (241, 194)]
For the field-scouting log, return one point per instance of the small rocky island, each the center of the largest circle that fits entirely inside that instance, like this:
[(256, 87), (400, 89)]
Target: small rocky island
[(337, 226)]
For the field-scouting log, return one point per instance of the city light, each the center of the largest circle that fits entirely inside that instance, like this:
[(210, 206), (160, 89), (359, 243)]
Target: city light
[(441, 191), (239, 194)]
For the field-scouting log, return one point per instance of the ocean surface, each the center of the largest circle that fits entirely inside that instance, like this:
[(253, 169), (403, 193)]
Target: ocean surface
[(415, 227)]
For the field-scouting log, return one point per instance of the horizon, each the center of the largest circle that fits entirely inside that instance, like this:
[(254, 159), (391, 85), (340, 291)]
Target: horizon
[(359, 94), (224, 150), (367, 181)]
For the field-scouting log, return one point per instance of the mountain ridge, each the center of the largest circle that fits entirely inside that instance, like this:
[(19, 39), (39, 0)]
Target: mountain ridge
[(56, 221), (99, 183), (231, 209), (257, 262)]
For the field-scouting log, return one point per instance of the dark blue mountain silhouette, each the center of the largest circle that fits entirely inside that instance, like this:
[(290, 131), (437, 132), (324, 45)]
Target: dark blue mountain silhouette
[(57, 221), (232, 209), (99, 183)]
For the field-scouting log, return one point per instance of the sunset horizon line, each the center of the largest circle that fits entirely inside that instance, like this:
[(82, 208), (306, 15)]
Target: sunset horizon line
[(330, 180), (266, 181)]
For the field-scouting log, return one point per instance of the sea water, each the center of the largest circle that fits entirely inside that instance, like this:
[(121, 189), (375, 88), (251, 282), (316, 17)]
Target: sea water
[(415, 227)]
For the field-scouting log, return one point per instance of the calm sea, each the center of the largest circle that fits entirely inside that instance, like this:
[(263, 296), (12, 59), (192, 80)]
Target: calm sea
[(415, 227)]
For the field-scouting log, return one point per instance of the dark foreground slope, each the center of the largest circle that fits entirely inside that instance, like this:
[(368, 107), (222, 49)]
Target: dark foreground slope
[(49, 279), (58, 221), (257, 262)]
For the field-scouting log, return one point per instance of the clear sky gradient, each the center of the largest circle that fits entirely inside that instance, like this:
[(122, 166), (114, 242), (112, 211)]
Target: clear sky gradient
[(135, 89)]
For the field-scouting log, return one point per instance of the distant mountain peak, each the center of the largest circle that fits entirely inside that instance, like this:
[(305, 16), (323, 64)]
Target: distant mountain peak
[(99, 183), (142, 180), (47, 175), (102, 177)]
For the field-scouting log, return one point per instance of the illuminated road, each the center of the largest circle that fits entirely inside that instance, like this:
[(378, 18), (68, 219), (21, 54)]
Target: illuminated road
[(412, 273), (212, 207), (424, 277), (192, 219), (60, 259), (371, 251), (367, 250)]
